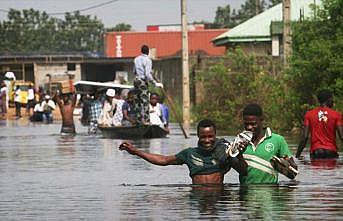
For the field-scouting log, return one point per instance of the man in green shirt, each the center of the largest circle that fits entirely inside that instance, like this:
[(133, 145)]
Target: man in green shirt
[(263, 147), (201, 161)]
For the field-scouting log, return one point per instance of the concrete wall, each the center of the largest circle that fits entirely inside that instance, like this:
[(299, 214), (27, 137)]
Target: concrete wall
[(41, 70)]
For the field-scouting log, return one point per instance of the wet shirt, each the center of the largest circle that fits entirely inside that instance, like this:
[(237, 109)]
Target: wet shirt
[(199, 161), (258, 158), (322, 122)]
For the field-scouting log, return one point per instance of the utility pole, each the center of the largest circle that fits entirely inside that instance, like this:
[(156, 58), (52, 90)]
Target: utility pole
[(185, 69), (286, 17)]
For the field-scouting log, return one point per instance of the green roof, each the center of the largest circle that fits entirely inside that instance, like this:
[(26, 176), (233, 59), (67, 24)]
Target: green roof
[(258, 28)]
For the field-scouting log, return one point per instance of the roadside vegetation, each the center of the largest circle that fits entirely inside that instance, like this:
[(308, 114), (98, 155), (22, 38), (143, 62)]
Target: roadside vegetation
[(316, 63)]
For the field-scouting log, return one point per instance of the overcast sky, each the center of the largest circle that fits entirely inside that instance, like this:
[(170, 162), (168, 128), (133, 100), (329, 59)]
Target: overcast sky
[(138, 13)]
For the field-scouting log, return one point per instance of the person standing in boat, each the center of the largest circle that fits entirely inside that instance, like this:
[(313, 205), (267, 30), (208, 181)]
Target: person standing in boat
[(201, 161), (66, 104), (108, 109), (143, 72), (322, 122)]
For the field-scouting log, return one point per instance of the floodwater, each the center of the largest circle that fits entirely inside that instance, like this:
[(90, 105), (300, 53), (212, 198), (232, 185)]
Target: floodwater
[(46, 176)]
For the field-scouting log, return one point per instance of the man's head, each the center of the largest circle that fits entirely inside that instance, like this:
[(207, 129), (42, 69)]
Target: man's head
[(154, 99), (325, 97), (253, 118), (130, 96), (145, 49), (65, 98), (206, 132)]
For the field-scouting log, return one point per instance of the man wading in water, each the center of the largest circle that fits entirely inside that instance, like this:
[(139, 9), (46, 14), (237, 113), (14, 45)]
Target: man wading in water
[(201, 161), (66, 106)]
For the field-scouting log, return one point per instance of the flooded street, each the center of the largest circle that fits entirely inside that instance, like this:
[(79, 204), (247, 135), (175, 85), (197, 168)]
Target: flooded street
[(46, 176)]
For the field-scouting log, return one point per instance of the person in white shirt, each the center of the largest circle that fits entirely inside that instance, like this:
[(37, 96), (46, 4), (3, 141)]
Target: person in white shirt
[(30, 99), (37, 112), (108, 109), (48, 106), (142, 70), (155, 110)]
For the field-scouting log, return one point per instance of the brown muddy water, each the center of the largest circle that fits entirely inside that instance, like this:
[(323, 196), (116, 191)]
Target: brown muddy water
[(46, 176)]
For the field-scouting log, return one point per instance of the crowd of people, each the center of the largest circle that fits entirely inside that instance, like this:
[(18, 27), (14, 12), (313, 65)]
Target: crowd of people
[(117, 108)]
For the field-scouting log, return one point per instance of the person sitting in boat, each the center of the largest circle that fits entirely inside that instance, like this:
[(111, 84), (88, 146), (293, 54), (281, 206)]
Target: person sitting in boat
[(165, 112), (118, 115), (201, 161), (155, 110), (95, 107), (108, 109), (129, 114)]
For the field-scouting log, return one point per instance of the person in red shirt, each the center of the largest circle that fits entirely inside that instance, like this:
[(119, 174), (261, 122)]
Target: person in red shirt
[(322, 122)]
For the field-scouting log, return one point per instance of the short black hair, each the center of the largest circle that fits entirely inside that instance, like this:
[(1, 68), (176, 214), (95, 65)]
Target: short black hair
[(324, 95), (253, 110), (145, 49), (154, 93), (206, 123)]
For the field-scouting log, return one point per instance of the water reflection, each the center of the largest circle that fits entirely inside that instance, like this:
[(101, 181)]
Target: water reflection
[(329, 164), (267, 202)]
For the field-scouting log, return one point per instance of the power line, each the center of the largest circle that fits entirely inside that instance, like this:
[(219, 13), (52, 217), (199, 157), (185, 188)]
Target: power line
[(80, 10), (85, 9)]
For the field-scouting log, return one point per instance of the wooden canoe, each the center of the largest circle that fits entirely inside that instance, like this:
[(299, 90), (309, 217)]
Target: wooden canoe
[(136, 132)]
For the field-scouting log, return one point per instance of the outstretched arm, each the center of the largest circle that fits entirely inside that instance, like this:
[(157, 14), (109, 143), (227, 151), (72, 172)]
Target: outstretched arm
[(303, 141), (156, 159)]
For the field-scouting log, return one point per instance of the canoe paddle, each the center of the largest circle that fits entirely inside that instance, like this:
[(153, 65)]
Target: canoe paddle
[(172, 107)]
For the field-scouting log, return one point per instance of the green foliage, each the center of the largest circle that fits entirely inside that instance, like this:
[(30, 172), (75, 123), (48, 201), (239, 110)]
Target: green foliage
[(120, 27), (31, 31), (229, 18), (224, 18), (234, 82), (316, 61)]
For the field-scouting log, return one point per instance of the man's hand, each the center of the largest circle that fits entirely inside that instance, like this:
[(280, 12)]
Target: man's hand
[(128, 147), (242, 146), (159, 85)]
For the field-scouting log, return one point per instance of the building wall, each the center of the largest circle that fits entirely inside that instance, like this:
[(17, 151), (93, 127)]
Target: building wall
[(163, 44), (41, 70), (257, 48)]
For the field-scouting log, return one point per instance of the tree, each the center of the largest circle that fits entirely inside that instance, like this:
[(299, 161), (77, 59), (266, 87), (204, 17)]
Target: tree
[(316, 62), (251, 8), (31, 31), (224, 18), (120, 27)]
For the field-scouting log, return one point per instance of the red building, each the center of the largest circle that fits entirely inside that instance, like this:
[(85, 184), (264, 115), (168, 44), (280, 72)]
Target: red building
[(161, 43)]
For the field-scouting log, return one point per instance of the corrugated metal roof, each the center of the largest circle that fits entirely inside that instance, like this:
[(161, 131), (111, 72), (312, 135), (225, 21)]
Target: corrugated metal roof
[(258, 27), (163, 44)]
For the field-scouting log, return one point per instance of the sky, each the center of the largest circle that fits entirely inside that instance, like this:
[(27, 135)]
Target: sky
[(138, 13)]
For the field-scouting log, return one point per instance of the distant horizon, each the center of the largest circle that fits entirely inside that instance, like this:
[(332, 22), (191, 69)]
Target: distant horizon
[(167, 11)]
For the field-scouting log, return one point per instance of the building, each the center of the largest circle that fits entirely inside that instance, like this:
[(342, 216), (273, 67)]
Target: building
[(162, 43), (262, 34)]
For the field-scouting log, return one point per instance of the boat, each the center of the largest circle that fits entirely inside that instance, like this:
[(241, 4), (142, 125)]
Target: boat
[(134, 132)]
